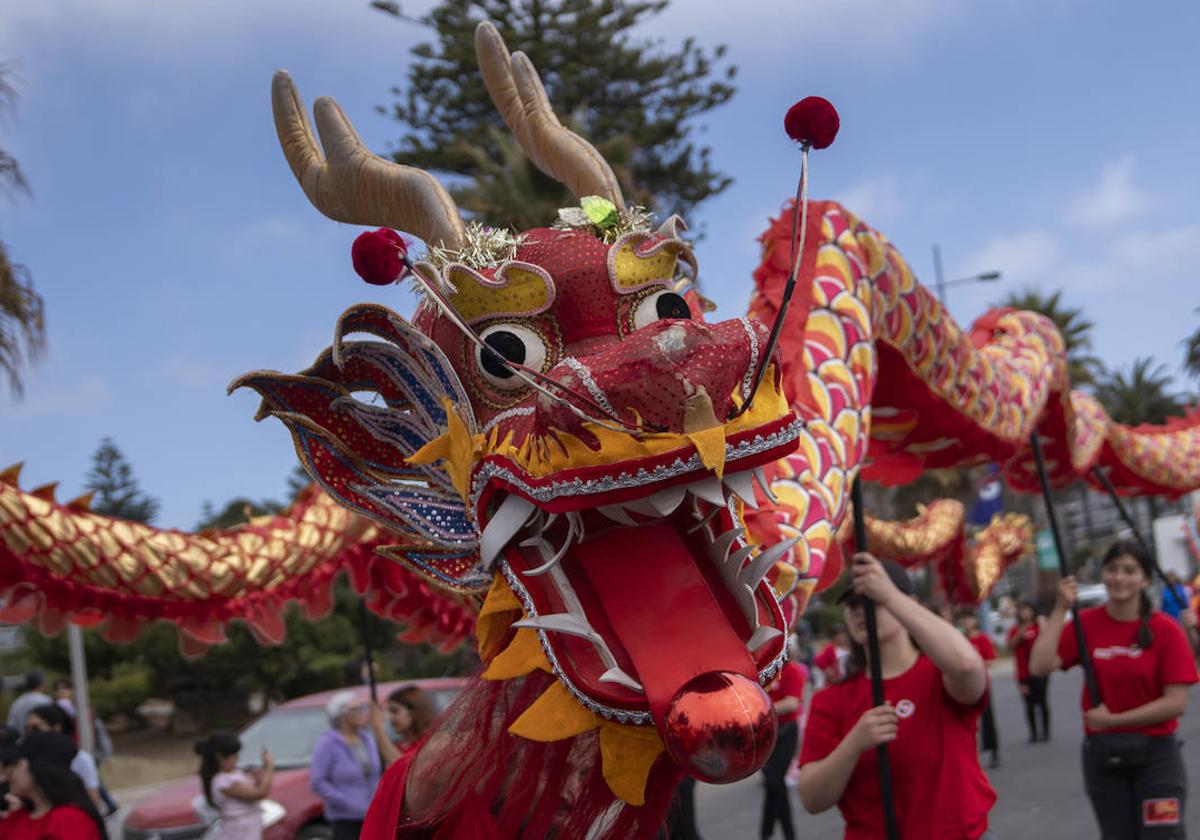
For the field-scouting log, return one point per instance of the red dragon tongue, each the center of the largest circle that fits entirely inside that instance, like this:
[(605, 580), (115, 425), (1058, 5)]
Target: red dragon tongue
[(700, 681)]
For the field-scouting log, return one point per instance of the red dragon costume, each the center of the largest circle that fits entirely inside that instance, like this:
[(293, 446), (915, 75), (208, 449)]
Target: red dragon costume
[(560, 454)]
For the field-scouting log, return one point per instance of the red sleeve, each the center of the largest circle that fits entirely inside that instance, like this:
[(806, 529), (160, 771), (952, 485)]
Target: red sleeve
[(1068, 650), (823, 731), (791, 681), (1176, 663), (826, 657), (387, 805), (986, 649)]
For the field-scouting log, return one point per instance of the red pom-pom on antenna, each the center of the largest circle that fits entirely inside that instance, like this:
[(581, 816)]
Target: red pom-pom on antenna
[(380, 256), (813, 121)]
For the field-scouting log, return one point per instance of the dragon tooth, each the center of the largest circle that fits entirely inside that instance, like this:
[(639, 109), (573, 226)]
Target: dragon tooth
[(704, 520), (762, 635), (665, 501), (761, 477), (739, 557), (567, 623), (509, 518), (752, 574), (616, 675), (742, 484), (544, 548), (617, 513), (708, 489), (719, 549)]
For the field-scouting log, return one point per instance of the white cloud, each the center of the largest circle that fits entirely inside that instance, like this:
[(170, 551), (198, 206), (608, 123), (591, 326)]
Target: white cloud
[(1115, 199), (1022, 257), (877, 199)]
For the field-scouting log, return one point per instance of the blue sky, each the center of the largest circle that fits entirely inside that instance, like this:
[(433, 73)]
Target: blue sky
[(1055, 142)]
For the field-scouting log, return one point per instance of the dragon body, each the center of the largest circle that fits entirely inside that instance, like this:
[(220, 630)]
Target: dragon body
[(559, 452)]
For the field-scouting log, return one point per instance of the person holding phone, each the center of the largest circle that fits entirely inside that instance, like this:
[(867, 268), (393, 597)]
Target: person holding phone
[(234, 793)]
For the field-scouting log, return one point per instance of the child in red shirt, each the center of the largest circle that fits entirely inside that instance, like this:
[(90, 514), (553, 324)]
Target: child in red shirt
[(935, 686), (968, 622), (1021, 637), (46, 801), (1136, 781)]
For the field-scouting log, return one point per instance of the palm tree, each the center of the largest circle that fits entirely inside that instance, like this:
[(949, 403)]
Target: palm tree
[(1141, 396), (1191, 361), (22, 319), (1076, 331)]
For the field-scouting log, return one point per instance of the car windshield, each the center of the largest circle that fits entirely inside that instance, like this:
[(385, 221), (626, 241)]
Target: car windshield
[(288, 733)]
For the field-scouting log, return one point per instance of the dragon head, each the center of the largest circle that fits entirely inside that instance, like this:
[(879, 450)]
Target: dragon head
[(558, 428)]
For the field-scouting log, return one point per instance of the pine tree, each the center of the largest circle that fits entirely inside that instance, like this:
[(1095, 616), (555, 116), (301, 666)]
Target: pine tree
[(116, 491), (636, 101)]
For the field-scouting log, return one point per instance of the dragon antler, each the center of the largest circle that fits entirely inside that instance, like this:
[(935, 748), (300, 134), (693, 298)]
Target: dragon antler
[(518, 94), (349, 183)]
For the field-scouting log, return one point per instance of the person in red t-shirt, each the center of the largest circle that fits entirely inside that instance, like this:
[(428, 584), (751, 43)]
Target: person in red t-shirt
[(968, 622), (1021, 637), (46, 801), (935, 686), (832, 657), (787, 695), (1132, 764)]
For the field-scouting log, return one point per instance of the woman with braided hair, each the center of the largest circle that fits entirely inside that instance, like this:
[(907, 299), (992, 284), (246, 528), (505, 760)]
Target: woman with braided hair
[(1132, 763)]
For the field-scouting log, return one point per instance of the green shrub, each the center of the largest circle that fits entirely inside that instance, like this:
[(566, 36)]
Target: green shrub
[(122, 693)]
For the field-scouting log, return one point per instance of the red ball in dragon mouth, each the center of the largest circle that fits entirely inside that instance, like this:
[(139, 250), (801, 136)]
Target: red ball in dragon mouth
[(720, 727)]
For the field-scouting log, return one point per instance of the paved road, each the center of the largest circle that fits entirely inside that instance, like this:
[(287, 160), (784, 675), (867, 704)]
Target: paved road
[(1040, 786)]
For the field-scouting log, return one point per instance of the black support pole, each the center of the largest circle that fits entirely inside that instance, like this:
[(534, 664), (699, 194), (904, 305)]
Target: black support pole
[(1103, 478), (885, 763), (1089, 673), (368, 656)]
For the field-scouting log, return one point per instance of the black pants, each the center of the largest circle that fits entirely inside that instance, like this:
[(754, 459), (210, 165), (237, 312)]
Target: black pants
[(776, 807), (1035, 706), (1145, 803), (346, 829), (681, 821), (987, 730)]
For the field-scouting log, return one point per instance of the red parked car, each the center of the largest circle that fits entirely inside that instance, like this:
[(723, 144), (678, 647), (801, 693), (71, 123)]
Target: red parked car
[(292, 811)]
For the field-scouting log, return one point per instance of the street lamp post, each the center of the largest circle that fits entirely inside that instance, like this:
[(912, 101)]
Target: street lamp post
[(940, 282)]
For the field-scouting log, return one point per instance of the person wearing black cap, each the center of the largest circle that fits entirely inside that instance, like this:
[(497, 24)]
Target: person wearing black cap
[(935, 685), (46, 801)]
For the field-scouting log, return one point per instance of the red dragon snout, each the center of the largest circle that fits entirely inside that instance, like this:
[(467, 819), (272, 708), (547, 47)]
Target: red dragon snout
[(655, 373)]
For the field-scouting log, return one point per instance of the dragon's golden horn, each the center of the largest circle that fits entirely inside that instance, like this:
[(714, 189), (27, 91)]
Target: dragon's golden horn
[(517, 91), (12, 475), (349, 183)]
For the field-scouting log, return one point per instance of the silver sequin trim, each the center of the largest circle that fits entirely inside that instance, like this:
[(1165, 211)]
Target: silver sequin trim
[(585, 376), (507, 415), (752, 334)]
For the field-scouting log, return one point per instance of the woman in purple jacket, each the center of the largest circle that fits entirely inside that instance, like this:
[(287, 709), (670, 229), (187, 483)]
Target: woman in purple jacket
[(345, 765)]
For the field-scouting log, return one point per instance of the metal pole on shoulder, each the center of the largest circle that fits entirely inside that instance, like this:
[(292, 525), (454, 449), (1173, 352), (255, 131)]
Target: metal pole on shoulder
[(79, 681), (1085, 659), (876, 668)]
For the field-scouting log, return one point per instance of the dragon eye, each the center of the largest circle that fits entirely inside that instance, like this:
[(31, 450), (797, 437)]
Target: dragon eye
[(509, 343), (660, 306)]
